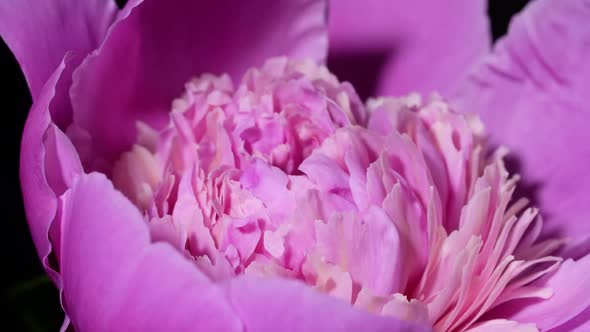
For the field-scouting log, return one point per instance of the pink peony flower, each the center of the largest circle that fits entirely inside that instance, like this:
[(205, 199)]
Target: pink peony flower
[(400, 216), (271, 197)]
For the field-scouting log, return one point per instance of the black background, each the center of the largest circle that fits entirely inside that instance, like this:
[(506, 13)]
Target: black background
[(32, 301)]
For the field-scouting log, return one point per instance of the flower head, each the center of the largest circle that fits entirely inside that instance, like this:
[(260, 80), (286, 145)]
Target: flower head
[(401, 214), (277, 200)]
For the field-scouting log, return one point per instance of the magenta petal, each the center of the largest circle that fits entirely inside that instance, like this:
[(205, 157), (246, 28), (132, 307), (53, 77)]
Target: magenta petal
[(150, 54), (48, 162), (62, 164), (421, 45), (580, 323), (40, 32), (570, 299), (39, 199), (115, 280), (532, 94), (290, 306)]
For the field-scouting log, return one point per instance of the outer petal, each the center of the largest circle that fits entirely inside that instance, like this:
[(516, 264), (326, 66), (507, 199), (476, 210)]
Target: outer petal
[(580, 323), (40, 32), (501, 325), (421, 45), (570, 300), (151, 53), (290, 306), (48, 165), (47, 162), (532, 94), (116, 280)]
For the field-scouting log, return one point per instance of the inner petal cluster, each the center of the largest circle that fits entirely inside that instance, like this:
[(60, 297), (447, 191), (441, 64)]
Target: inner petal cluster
[(392, 206)]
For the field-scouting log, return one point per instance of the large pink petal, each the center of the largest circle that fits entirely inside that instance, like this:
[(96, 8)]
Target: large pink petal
[(580, 323), (115, 280), (40, 32), (152, 52), (290, 306), (532, 94), (397, 47), (570, 300)]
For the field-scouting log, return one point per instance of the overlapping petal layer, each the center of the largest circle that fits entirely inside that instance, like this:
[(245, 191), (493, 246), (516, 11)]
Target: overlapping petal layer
[(157, 46), (393, 208), (41, 32), (532, 97)]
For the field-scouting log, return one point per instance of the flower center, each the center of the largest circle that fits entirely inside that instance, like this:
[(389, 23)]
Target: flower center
[(391, 206)]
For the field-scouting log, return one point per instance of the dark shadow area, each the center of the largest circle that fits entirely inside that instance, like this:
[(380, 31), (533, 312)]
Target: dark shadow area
[(121, 3), (501, 12), (523, 188), (361, 69), (31, 299)]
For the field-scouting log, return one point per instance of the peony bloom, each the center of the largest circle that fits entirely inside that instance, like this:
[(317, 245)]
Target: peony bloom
[(268, 196), (393, 208)]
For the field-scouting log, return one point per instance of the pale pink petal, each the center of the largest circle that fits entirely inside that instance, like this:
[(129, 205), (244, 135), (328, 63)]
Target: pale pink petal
[(400, 307), (116, 280), (532, 96), (367, 246), (157, 46), (395, 47), (165, 230), (40, 32), (327, 174), (137, 174), (269, 184)]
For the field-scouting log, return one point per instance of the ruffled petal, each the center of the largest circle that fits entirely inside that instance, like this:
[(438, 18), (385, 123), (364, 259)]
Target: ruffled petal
[(370, 249), (158, 46), (40, 32), (532, 96), (290, 306), (394, 47), (115, 280), (43, 149)]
